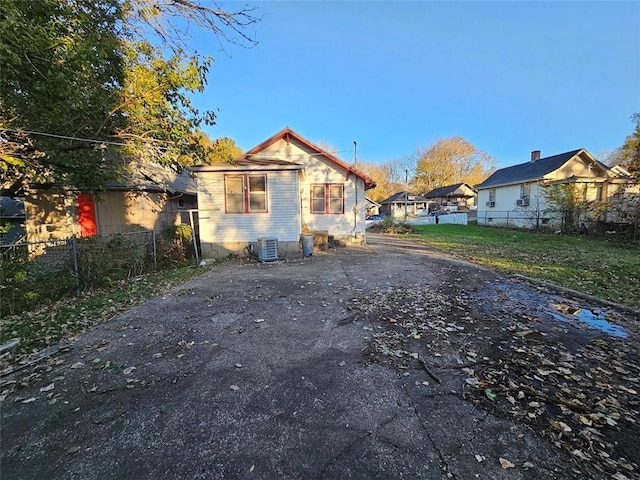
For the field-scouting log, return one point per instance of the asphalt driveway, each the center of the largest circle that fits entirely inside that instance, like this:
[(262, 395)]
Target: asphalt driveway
[(265, 371)]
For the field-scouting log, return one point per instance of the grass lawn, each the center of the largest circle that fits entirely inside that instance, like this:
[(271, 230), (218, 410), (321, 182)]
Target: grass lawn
[(605, 269), (65, 318)]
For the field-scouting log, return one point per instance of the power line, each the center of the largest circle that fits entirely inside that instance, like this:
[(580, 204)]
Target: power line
[(63, 137)]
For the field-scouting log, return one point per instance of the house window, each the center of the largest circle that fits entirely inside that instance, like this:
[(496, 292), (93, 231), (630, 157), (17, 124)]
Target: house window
[(525, 191), (245, 193), (599, 192), (492, 198), (327, 198)]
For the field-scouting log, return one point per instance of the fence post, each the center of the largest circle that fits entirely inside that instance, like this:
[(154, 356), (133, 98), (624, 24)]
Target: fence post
[(155, 251), (74, 248)]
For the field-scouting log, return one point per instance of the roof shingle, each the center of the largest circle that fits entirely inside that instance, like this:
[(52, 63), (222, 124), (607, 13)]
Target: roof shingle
[(527, 171)]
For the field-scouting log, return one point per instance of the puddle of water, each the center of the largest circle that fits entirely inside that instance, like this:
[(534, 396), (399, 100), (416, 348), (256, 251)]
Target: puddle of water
[(588, 317)]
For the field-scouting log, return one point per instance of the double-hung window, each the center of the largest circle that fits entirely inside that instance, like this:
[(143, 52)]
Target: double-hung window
[(245, 193), (327, 198)]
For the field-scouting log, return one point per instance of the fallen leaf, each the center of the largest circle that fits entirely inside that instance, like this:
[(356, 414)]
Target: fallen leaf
[(128, 370), (489, 394), (29, 400), (506, 463), (251, 469), (234, 387), (77, 365), (526, 465), (47, 388), (479, 458), (342, 363)]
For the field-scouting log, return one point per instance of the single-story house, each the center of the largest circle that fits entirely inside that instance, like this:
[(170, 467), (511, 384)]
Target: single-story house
[(403, 203), (459, 196), (150, 197), (515, 195), (372, 207), (276, 191)]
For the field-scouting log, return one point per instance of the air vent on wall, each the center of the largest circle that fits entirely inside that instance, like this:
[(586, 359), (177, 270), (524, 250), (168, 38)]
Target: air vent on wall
[(267, 249)]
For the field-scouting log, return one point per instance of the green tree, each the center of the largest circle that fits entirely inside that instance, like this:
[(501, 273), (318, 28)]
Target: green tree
[(566, 201), (220, 150), (631, 149), (448, 161), (78, 75)]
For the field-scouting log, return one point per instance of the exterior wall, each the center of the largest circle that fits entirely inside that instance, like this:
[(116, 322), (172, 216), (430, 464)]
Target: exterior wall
[(223, 233), (346, 226), (119, 212), (50, 214), (397, 210), (507, 213)]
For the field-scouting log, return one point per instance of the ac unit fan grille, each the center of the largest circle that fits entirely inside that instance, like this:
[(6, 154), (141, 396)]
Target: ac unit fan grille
[(267, 249)]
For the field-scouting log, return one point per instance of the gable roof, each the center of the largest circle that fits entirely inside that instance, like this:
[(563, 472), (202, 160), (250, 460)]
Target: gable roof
[(402, 197), (154, 178), (288, 134), (449, 191), (528, 171)]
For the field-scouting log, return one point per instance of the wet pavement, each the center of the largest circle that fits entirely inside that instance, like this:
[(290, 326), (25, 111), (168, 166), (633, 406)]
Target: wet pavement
[(263, 371)]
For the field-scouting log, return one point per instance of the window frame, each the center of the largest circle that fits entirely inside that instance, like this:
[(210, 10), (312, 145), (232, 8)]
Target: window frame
[(246, 193), (327, 210)]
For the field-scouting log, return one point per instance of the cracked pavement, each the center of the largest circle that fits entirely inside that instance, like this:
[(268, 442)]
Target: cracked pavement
[(259, 371)]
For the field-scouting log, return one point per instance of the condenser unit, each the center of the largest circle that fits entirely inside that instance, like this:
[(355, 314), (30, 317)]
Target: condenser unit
[(267, 249), (522, 202)]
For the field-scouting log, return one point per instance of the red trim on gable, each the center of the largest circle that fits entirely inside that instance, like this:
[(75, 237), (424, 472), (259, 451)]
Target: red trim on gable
[(287, 134)]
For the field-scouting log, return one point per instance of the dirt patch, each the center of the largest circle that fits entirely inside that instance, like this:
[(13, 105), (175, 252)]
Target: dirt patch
[(520, 353)]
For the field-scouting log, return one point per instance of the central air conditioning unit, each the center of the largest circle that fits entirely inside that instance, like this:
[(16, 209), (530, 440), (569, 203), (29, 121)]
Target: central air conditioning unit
[(522, 202), (267, 249), (491, 204)]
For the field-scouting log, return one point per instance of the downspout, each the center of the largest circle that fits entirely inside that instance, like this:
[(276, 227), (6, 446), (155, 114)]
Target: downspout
[(355, 207)]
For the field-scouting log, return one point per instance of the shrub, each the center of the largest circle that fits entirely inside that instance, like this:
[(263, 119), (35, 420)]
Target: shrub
[(102, 260)]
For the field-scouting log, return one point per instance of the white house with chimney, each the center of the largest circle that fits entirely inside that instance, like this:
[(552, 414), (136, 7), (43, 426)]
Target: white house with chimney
[(515, 196)]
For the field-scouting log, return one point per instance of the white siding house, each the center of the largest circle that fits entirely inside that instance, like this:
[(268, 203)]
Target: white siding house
[(515, 196), (279, 189)]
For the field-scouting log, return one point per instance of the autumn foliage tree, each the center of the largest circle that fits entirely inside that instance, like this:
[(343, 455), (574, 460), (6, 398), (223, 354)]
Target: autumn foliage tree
[(79, 76), (448, 161), (388, 177)]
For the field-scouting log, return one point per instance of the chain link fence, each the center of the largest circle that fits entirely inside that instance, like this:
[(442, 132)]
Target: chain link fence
[(35, 273)]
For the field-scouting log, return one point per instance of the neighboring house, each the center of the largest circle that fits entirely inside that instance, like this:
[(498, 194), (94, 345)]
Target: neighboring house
[(279, 189), (149, 198), (459, 196), (372, 207), (402, 204), (12, 220), (515, 196)]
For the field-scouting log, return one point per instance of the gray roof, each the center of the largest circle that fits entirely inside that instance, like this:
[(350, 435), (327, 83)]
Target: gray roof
[(528, 171), (11, 207), (402, 197), (155, 178), (448, 191)]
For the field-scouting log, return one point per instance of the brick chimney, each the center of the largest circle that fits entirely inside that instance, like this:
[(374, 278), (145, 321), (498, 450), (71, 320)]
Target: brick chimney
[(535, 155)]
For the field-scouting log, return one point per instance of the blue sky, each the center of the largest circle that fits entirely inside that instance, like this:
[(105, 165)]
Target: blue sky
[(510, 77)]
